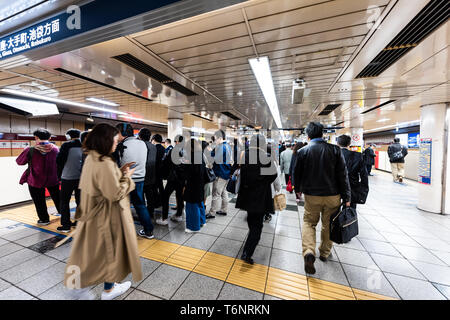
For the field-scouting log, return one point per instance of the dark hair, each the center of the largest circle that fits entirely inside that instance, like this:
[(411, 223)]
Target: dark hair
[(157, 137), (73, 133), (314, 130), (125, 129), (344, 140), (204, 145), (298, 146), (83, 136), (396, 139), (168, 140), (101, 139), (42, 134), (178, 138), (144, 134), (213, 139)]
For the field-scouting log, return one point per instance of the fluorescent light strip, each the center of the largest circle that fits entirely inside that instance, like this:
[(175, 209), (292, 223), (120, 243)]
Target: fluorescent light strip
[(142, 120), (261, 69), (394, 125), (55, 100), (108, 103)]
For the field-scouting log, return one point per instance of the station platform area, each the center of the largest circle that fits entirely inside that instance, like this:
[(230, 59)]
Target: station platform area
[(401, 253)]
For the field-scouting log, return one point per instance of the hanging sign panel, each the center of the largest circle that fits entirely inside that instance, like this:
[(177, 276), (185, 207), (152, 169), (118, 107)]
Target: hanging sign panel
[(425, 161)]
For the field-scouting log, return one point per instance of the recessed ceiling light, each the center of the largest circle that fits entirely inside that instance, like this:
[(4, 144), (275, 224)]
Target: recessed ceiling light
[(239, 93), (383, 120)]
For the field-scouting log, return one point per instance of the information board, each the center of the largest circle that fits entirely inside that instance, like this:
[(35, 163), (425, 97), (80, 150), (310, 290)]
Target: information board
[(413, 140), (425, 161)]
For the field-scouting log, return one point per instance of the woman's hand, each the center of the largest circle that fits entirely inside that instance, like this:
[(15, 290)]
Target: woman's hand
[(129, 172), (126, 166)]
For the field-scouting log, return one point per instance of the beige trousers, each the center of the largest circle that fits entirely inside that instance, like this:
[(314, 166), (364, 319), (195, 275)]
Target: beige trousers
[(398, 170), (315, 208), (219, 196)]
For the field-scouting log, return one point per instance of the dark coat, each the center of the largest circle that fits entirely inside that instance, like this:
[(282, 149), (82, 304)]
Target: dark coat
[(397, 148), (369, 156), (357, 175), (255, 193), (150, 166), (194, 182)]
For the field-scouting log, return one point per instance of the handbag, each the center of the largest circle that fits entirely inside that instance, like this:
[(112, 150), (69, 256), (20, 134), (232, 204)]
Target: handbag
[(289, 186), (343, 225), (231, 185), (210, 176), (279, 202)]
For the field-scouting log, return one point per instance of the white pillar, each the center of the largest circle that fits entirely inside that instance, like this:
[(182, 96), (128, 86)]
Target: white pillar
[(433, 127), (174, 125), (357, 139)]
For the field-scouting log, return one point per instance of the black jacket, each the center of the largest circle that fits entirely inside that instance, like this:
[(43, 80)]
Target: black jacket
[(357, 175), (194, 182), (172, 171), (160, 152), (63, 154), (320, 171), (292, 166), (397, 148), (150, 166), (369, 156), (255, 192)]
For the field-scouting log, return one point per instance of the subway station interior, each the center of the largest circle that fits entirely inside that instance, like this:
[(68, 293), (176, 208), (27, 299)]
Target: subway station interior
[(374, 70)]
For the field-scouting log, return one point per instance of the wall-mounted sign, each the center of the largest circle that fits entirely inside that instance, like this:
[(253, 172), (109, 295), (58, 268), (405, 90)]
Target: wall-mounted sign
[(5, 144), (20, 144), (425, 161), (413, 140)]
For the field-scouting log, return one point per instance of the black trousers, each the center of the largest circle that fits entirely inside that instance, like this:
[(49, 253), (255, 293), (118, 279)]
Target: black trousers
[(255, 224), (38, 196), (369, 168), (286, 177), (353, 205), (67, 188), (172, 186), (152, 198), (160, 192)]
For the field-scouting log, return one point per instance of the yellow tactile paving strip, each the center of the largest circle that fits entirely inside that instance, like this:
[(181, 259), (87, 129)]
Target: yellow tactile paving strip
[(272, 281)]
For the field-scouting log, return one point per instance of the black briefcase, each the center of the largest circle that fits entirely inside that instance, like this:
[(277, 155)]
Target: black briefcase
[(343, 225)]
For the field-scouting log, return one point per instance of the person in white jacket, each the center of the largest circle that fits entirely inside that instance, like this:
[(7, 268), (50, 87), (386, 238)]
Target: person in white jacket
[(276, 187), (285, 161)]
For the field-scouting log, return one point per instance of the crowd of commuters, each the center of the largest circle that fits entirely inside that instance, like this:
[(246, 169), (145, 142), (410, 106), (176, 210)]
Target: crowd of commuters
[(110, 169)]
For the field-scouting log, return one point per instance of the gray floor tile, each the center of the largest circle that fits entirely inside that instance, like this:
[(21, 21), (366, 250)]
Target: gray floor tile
[(164, 282), (178, 236), (5, 223), (35, 238), (288, 261), (269, 228), (234, 233), (288, 244), (19, 234), (9, 248), (260, 256), (290, 222), (353, 244), (232, 292), (221, 220), (198, 287), (4, 285), (413, 289), (266, 239), (370, 234), (60, 253), (368, 280), (444, 256), (140, 295), (396, 265), (239, 223), (148, 266), (418, 254), (212, 229), (433, 244), (201, 241), (269, 297), (226, 247), (355, 257), (399, 239), (291, 232), (2, 242), (434, 273), (44, 280), (58, 292), (445, 290), (380, 247), (330, 271), (16, 258), (11, 228), (13, 293), (27, 269)]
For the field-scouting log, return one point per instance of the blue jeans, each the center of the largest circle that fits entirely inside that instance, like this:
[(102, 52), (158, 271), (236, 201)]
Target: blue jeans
[(137, 199), (195, 215), (108, 286)]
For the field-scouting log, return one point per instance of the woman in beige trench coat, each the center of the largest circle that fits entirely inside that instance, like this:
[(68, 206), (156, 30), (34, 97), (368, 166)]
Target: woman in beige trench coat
[(105, 245)]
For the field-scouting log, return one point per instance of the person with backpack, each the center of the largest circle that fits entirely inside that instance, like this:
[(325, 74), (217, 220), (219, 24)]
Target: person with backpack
[(369, 158), (357, 171), (150, 190), (69, 161), (397, 154), (41, 173)]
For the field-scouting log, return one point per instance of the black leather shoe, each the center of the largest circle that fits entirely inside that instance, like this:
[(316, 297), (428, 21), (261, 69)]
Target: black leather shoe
[(322, 258), (209, 216), (221, 213), (309, 263), (247, 259)]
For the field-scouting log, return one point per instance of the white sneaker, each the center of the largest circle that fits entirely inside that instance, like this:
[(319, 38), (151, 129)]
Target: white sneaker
[(81, 294), (118, 289), (162, 222), (176, 218), (191, 231)]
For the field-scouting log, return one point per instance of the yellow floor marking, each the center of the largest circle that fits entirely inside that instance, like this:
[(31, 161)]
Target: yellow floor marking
[(248, 276), (286, 285), (272, 281), (215, 266), (185, 258)]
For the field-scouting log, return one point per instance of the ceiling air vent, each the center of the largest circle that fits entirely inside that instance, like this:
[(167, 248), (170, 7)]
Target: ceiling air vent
[(378, 106), (141, 66), (198, 116), (328, 109), (230, 115), (425, 22)]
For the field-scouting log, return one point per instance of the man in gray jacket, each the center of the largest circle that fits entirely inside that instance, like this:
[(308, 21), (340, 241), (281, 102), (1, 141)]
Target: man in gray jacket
[(134, 150)]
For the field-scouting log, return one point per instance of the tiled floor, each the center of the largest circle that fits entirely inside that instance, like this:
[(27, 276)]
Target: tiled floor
[(401, 252)]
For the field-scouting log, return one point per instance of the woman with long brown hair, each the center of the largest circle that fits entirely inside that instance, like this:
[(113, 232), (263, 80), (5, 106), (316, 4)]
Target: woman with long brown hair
[(105, 245)]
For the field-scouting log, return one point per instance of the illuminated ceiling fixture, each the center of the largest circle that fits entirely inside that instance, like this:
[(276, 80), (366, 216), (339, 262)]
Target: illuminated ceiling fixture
[(105, 102), (239, 93), (61, 101), (396, 126), (383, 120), (142, 120), (261, 69)]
